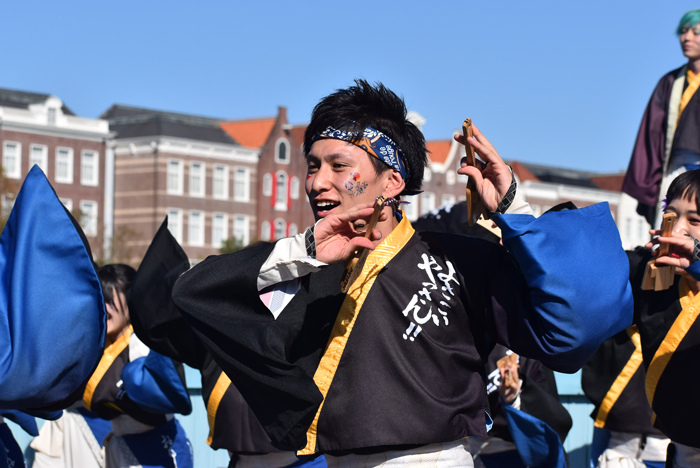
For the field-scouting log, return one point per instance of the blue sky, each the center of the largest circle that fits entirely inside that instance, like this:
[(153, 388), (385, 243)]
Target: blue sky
[(551, 82)]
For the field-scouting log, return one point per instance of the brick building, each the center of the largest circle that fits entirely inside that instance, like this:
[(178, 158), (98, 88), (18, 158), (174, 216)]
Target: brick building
[(283, 209), (187, 168), (72, 151)]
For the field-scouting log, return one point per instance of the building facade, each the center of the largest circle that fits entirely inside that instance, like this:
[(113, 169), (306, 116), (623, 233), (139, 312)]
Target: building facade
[(73, 152), (186, 168)]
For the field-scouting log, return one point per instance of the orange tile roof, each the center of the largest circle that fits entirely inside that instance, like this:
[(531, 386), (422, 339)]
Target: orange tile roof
[(439, 150), (609, 182), (252, 133), (522, 172)]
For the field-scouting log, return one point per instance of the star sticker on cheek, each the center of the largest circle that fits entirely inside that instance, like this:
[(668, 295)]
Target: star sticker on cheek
[(355, 176)]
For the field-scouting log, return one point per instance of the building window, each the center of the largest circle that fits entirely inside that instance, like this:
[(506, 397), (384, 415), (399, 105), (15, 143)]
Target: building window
[(175, 223), (89, 168), (282, 151), (265, 231), (220, 182), (450, 177), (88, 217), (267, 185), (640, 229), (68, 203), (410, 209), (64, 165), (51, 116), (8, 202), (175, 177), (197, 171), (241, 184), (241, 229), (427, 202), (195, 229), (219, 229), (39, 156), (12, 159), (293, 230), (427, 175), (280, 229), (628, 228), (294, 188), (447, 199), (281, 199)]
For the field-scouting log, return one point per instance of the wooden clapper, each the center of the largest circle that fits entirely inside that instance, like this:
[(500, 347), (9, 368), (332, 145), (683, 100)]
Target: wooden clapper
[(474, 205), (660, 277)]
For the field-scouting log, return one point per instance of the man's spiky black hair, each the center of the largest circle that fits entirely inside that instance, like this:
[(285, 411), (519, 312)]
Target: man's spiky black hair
[(364, 105)]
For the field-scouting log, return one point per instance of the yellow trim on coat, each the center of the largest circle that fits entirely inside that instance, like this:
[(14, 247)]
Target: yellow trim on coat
[(690, 308), (110, 354), (622, 379), (222, 384), (376, 260), (693, 84)]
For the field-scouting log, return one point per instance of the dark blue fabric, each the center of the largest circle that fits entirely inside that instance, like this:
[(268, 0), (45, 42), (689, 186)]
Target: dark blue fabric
[(152, 382), (601, 439), (99, 427), (10, 454), (537, 443), (572, 260), (655, 464), (52, 315), (23, 420), (309, 462), (694, 270), (162, 447), (507, 459)]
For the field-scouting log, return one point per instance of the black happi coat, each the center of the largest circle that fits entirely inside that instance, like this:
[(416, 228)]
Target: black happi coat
[(402, 369), (159, 324), (631, 411), (676, 406), (539, 396), (645, 171)]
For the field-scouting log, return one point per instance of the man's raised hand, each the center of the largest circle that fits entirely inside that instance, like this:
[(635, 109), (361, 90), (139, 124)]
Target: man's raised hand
[(337, 236), (493, 181)]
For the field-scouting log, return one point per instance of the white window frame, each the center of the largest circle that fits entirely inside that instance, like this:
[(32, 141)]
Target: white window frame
[(203, 173), (14, 172), (427, 175), (69, 162), (267, 185), (43, 160), (88, 217), (265, 231), (411, 209), (175, 172), (294, 188), (223, 225), (95, 180), (175, 224), (196, 240), (241, 175), (280, 222), (427, 202), (281, 203), (450, 177), (222, 171), (292, 229), (245, 228), (277, 151), (447, 199)]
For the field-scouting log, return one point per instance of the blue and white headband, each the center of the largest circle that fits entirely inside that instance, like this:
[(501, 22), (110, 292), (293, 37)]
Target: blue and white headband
[(375, 143)]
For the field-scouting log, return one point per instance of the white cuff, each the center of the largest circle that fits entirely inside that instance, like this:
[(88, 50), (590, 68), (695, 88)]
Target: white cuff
[(287, 261)]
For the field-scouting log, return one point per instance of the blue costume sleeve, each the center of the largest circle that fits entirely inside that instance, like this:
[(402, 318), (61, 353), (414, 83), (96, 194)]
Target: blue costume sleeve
[(52, 315), (537, 443), (577, 275), (694, 270), (153, 383)]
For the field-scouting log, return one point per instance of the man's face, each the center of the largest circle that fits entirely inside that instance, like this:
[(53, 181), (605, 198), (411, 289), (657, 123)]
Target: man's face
[(339, 176), (690, 42)]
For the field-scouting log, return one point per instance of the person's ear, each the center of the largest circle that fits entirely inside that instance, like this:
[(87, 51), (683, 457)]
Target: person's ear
[(394, 184)]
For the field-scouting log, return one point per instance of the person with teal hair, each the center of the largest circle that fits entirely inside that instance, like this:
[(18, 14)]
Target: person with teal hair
[(668, 142)]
